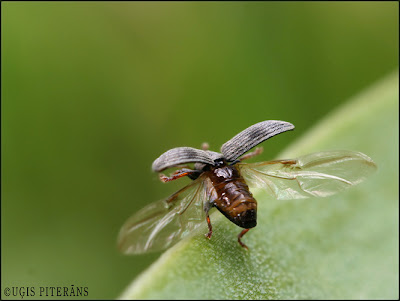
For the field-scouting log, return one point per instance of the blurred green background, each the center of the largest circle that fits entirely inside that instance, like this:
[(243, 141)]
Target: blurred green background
[(92, 93)]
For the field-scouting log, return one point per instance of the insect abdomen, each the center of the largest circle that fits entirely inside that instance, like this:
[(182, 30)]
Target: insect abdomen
[(234, 200)]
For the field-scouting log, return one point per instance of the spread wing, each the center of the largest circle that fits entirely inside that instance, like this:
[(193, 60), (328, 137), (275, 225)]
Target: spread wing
[(162, 224), (252, 136), (318, 174)]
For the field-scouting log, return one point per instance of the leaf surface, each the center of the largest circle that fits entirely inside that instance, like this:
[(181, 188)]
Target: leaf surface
[(339, 247)]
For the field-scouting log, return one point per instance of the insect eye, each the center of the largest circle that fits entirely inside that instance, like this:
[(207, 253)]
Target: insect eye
[(218, 162)]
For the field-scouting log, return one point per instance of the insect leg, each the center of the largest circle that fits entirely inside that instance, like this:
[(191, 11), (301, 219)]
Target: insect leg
[(240, 236), (256, 152), (193, 174), (208, 235), (207, 208)]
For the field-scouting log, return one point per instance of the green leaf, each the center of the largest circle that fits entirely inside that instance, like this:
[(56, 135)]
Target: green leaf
[(340, 247)]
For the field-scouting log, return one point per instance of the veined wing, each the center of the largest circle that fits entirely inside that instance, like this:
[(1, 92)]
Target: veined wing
[(162, 224), (319, 174)]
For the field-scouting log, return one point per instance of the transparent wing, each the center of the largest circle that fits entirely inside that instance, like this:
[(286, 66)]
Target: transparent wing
[(318, 174), (162, 224)]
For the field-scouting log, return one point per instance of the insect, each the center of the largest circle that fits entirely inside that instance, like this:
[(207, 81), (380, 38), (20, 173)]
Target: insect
[(221, 180)]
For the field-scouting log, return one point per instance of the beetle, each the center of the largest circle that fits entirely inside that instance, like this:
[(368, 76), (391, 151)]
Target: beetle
[(221, 179)]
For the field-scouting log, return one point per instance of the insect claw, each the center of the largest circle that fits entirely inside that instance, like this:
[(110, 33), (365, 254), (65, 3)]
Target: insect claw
[(164, 178), (244, 246)]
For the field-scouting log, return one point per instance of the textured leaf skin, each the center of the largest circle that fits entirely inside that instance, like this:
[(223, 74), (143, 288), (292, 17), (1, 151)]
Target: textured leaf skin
[(340, 247)]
